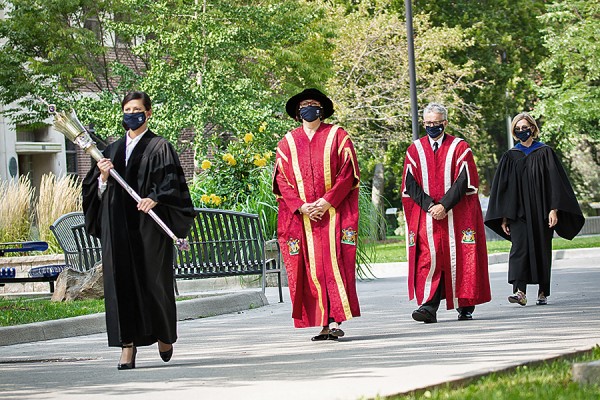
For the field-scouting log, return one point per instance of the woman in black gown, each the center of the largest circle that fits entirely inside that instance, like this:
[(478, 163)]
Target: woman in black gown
[(137, 256), (531, 198)]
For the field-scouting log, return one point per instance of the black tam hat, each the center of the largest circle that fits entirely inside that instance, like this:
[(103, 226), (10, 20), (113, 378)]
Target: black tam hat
[(291, 106)]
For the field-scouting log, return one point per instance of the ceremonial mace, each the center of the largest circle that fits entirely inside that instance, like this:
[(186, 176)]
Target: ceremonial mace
[(69, 125)]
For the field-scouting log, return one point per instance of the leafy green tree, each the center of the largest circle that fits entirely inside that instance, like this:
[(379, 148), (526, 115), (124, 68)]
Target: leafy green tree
[(47, 52), (371, 87), (505, 49), (570, 86), (569, 89), (224, 64)]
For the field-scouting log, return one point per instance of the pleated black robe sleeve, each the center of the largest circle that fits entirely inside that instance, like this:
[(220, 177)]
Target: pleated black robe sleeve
[(167, 186)]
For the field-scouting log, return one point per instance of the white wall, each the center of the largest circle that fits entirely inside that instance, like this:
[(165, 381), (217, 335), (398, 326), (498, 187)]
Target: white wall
[(7, 146)]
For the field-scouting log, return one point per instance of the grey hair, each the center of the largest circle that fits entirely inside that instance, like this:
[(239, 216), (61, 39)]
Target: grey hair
[(437, 109)]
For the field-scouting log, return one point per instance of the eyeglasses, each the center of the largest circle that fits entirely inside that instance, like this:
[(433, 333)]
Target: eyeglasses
[(433, 123), (309, 103), (522, 128)]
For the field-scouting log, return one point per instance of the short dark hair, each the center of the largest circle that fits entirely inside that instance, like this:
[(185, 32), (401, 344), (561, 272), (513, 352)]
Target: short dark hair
[(135, 96)]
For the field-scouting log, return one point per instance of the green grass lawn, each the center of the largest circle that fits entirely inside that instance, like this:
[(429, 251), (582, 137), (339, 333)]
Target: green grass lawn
[(24, 311), (547, 381), (393, 249)]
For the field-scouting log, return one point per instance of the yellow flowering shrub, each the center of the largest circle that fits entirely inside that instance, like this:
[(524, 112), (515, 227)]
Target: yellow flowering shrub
[(211, 199), (260, 162), (248, 137), (205, 165), (236, 172), (229, 159)]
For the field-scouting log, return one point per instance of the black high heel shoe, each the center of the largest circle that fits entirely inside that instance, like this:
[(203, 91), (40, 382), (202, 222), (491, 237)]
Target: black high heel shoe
[(166, 355), (131, 364)]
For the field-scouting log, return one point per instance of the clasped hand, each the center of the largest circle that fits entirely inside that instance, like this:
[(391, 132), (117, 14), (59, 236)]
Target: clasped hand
[(315, 210), (437, 211)]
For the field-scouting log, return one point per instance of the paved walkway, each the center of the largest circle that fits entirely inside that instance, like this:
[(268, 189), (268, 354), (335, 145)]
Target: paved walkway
[(257, 354)]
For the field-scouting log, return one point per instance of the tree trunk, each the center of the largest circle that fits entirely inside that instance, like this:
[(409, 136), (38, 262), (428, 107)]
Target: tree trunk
[(377, 199)]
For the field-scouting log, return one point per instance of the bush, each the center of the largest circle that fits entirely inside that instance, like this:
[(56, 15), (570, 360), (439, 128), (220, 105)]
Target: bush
[(239, 178)]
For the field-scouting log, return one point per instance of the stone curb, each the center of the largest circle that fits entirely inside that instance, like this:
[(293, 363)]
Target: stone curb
[(501, 258), (584, 375), (95, 323)]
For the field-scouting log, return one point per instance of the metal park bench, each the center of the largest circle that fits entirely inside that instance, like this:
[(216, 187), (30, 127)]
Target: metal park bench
[(62, 230), (47, 273), (227, 243), (89, 248)]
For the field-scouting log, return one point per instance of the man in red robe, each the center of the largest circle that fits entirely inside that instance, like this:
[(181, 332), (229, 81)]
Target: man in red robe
[(316, 181), (447, 254)]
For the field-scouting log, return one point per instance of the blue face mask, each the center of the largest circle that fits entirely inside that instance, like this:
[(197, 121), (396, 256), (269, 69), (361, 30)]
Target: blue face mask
[(135, 120), (310, 113), (523, 135), (434, 131)]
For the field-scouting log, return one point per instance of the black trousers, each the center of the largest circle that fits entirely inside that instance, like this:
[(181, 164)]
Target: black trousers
[(434, 304)]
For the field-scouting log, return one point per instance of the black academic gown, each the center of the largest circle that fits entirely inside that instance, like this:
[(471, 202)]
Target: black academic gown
[(524, 191), (137, 255)]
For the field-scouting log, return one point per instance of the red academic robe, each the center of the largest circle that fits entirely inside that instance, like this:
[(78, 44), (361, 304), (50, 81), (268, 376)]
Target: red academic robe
[(319, 256), (455, 245)]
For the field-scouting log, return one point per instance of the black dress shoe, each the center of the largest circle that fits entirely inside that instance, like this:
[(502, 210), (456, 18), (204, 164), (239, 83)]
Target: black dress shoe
[(423, 315), (336, 332), (465, 316), (131, 364), (166, 355), (323, 336)]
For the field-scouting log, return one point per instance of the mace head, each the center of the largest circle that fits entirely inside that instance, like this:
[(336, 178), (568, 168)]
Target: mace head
[(68, 124)]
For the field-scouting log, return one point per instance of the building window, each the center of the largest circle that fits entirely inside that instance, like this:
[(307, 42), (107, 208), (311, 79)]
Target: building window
[(71, 155), (93, 25)]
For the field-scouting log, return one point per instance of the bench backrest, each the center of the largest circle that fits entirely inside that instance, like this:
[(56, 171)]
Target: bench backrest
[(61, 228), (222, 243), (88, 247)]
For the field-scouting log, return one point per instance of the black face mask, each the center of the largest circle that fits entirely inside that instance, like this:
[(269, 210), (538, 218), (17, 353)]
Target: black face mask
[(434, 131), (134, 120), (523, 135), (310, 113)]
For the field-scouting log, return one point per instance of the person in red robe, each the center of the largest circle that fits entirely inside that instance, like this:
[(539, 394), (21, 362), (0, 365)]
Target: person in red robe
[(447, 253), (316, 182)]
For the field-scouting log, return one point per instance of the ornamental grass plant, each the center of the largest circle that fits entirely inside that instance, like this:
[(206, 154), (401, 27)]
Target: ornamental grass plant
[(58, 196), (16, 198)]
